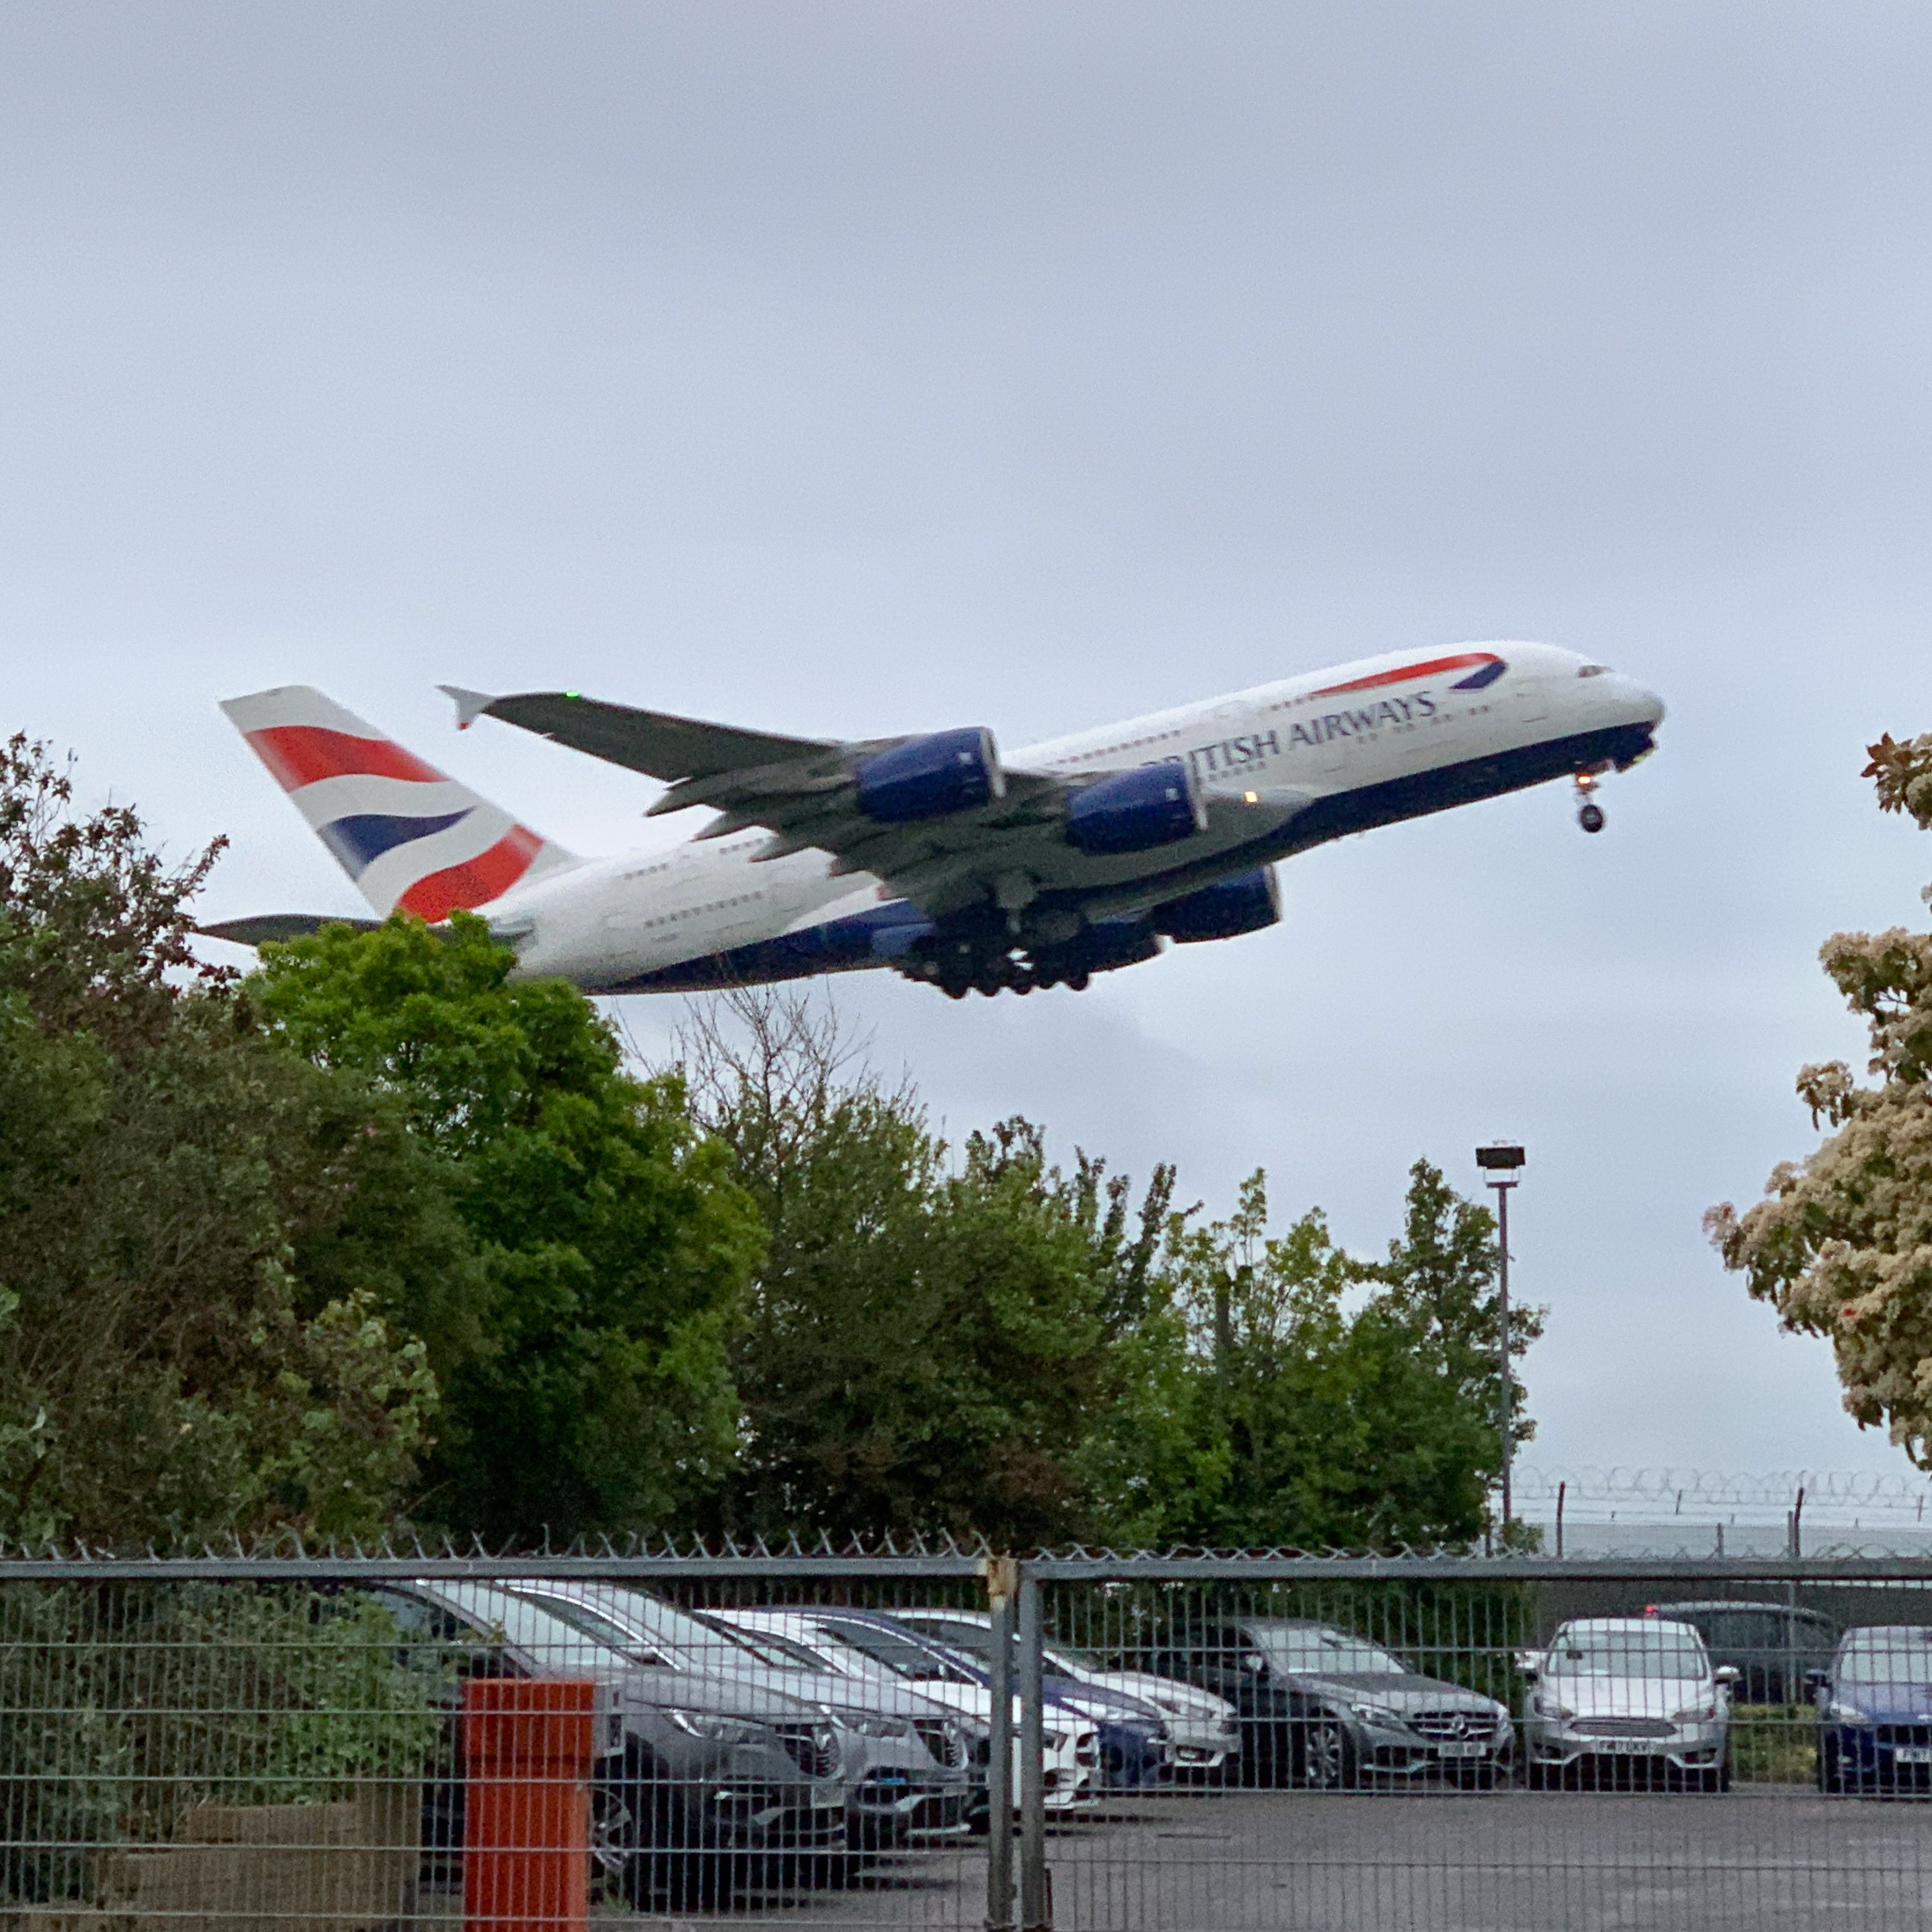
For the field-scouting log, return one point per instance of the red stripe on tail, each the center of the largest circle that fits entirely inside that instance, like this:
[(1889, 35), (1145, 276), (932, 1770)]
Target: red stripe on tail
[(299, 755), (476, 881), (1434, 668)]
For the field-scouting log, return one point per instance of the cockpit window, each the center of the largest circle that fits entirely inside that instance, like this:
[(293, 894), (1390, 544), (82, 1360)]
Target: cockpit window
[(1593, 671)]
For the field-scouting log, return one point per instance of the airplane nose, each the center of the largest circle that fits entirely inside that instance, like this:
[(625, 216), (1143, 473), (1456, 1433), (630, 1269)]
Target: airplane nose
[(1643, 704)]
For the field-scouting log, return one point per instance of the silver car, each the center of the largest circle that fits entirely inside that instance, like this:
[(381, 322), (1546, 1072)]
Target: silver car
[(906, 1757), (1625, 1700)]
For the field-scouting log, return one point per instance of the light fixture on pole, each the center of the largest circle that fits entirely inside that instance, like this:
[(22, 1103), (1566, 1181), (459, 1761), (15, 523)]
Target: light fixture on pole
[(1500, 1162)]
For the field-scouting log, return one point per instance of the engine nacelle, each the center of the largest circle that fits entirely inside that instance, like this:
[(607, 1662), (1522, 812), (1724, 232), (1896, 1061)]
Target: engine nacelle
[(1245, 903), (1134, 811), (927, 777)]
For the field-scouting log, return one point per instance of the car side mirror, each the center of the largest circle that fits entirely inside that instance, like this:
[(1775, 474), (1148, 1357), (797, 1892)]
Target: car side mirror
[(1816, 1680), (1530, 1664), (1254, 1664), (1729, 1674)]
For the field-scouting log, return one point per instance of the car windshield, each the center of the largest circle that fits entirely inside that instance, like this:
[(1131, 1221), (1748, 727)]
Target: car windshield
[(580, 1617), (1654, 1652), (899, 1655), (768, 1648), (1885, 1660), (1071, 1658), (1330, 1653)]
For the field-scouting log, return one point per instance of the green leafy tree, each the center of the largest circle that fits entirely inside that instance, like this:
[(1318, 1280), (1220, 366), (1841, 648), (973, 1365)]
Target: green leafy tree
[(164, 1374), (1327, 1402), (588, 1387), (927, 1341), (1841, 1245)]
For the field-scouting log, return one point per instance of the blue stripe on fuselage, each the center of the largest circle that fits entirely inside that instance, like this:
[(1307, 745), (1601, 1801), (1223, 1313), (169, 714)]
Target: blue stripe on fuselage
[(873, 938)]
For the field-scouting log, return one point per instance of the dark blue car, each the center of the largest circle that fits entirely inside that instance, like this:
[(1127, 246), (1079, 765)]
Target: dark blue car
[(1135, 1750), (1875, 1711)]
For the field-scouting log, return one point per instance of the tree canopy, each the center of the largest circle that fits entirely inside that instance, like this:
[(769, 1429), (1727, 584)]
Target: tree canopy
[(1841, 1245), (162, 1373), (585, 1375), (988, 1343)]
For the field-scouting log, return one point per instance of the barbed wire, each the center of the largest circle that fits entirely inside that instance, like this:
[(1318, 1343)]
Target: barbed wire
[(1674, 1489)]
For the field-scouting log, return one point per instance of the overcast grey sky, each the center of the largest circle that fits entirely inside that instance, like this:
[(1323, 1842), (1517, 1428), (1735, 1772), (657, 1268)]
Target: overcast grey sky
[(852, 369)]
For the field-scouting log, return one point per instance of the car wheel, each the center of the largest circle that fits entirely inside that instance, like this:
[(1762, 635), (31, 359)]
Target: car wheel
[(1327, 1756)]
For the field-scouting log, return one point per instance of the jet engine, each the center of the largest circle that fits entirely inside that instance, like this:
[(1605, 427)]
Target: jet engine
[(927, 777), (1132, 811), (1245, 903)]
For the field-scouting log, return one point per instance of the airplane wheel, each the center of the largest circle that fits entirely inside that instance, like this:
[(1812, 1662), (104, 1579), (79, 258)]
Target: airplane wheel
[(1590, 817), (1077, 981), (952, 989)]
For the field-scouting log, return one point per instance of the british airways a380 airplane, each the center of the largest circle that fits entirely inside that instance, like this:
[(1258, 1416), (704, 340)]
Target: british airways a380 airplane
[(934, 855)]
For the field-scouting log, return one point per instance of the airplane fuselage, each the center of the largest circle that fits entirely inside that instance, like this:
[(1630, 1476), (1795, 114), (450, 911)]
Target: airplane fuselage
[(1283, 767)]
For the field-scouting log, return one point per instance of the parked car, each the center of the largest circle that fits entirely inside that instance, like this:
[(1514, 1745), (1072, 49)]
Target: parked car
[(1628, 1700), (1774, 1647), (1875, 1711), (908, 1772), (698, 1787), (857, 1644), (1320, 1707), (1136, 1746), (1204, 1730)]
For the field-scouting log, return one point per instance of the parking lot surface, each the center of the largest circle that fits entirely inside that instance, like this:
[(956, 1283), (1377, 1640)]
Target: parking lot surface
[(1771, 1858)]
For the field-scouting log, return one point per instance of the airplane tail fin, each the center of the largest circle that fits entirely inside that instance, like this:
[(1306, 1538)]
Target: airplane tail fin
[(410, 838)]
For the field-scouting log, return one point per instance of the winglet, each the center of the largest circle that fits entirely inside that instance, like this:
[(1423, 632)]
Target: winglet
[(470, 705)]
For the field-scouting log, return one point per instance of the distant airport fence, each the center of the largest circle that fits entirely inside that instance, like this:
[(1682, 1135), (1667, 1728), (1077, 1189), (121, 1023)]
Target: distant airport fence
[(939, 1737)]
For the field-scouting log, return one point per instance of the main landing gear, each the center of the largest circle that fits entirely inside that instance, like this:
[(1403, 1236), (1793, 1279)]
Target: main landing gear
[(1589, 813)]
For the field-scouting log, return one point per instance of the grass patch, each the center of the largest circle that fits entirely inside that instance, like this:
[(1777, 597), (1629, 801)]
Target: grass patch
[(1774, 1743)]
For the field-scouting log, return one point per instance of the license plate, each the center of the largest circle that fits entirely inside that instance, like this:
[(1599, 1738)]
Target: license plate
[(1628, 1747), (1911, 1754), (1461, 1750)]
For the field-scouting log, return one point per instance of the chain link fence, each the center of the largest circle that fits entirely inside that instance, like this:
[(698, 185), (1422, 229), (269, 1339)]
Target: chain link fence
[(943, 1739)]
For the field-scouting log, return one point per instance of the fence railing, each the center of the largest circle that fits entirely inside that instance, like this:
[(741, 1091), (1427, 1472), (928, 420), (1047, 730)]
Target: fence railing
[(943, 1739)]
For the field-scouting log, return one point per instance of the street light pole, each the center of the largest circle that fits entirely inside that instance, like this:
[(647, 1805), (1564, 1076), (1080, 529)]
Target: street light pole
[(1500, 1161)]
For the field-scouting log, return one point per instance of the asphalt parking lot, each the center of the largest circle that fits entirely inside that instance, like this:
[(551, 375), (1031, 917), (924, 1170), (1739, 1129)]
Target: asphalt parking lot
[(1773, 1859)]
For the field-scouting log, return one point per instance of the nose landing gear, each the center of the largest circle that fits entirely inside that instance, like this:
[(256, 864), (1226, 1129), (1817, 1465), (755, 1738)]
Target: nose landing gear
[(1589, 813)]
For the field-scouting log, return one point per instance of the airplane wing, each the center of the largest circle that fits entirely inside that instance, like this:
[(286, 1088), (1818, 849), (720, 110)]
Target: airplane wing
[(806, 791)]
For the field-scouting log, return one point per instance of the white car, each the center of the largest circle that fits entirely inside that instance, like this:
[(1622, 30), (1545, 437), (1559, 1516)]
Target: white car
[(1204, 1729), (860, 1644), (1627, 1697)]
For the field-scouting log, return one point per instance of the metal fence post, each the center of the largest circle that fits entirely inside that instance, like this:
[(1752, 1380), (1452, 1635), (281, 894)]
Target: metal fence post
[(1002, 1583), (1035, 1904)]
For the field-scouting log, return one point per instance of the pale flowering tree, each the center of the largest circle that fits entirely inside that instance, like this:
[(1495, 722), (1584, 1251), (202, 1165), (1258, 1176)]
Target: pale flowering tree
[(1841, 1245)]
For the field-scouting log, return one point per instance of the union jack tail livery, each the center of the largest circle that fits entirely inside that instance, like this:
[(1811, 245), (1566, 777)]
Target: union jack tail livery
[(410, 838)]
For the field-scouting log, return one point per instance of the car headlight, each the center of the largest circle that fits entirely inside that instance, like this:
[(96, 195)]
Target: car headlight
[(1844, 1713), (868, 1724), (722, 1730), (1549, 1707), (1379, 1713), (1695, 1713)]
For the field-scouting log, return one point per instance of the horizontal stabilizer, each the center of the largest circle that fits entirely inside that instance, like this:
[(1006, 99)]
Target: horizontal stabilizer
[(280, 926)]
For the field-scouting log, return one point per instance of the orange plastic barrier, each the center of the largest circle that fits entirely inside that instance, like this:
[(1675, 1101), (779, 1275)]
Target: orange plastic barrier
[(527, 1748)]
